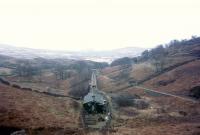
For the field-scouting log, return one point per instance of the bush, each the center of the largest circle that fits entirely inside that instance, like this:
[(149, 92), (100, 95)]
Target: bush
[(80, 90), (140, 104), (128, 100), (75, 105), (16, 86), (122, 61), (4, 81), (165, 82), (125, 99), (195, 92)]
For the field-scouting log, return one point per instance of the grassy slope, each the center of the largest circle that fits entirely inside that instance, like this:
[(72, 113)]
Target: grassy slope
[(167, 115), (29, 110), (185, 77)]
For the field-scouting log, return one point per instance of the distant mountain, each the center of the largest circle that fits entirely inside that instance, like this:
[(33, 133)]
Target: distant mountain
[(99, 56)]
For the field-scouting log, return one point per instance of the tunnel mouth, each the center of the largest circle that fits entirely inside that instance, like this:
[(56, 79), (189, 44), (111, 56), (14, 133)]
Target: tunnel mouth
[(4, 130)]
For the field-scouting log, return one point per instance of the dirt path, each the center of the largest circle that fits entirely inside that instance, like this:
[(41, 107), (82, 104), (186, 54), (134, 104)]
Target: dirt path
[(168, 94)]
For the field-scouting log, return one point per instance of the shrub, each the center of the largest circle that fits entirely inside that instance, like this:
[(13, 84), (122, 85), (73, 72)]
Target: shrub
[(80, 90), (195, 92), (125, 99), (165, 82), (122, 61), (140, 104), (16, 86), (4, 81)]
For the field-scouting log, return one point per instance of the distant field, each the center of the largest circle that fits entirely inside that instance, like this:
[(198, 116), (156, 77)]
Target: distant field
[(5, 71)]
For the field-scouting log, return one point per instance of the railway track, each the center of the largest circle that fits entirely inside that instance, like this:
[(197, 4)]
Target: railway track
[(88, 120), (89, 131), (96, 110)]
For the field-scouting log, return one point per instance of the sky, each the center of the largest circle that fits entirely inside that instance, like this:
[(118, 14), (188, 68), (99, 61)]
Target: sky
[(96, 24)]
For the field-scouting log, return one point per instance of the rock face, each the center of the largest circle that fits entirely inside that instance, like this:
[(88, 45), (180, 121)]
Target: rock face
[(195, 92)]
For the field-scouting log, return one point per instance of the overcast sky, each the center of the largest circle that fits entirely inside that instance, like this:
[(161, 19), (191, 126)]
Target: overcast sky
[(96, 24)]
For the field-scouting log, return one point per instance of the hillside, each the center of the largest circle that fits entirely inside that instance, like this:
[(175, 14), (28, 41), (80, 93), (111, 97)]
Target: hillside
[(157, 61), (173, 69), (40, 95), (57, 76), (179, 80), (165, 116), (36, 113)]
